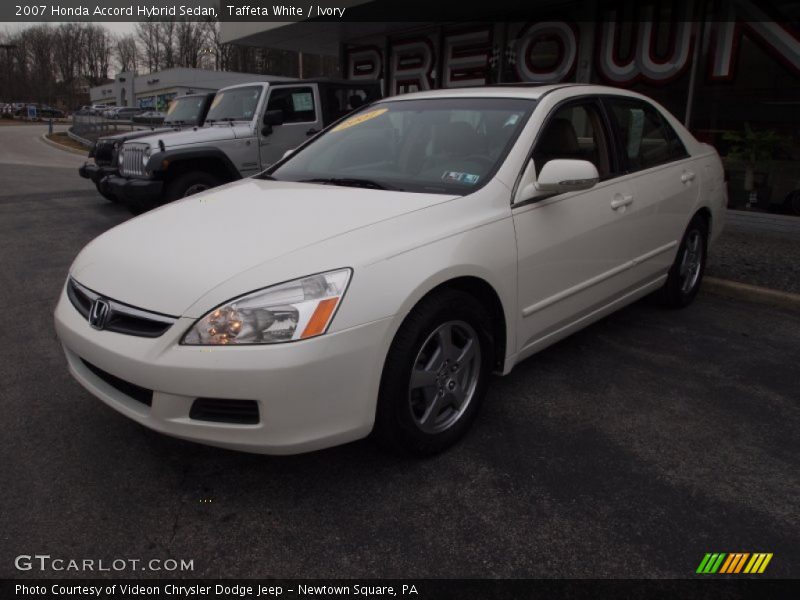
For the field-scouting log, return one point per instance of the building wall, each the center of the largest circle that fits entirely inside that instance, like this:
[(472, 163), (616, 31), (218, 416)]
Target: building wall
[(712, 74), (168, 83)]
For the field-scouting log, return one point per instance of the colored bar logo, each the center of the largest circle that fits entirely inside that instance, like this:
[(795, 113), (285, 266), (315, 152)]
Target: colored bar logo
[(734, 563)]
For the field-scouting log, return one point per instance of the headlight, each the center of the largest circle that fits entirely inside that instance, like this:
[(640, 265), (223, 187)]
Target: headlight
[(121, 157), (294, 310)]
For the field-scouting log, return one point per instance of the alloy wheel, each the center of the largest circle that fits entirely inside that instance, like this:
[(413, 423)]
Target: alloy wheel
[(444, 376), (691, 261)]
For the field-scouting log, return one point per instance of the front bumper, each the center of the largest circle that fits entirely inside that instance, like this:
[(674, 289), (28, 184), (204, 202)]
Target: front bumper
[(311, 394), (95, 172), (134, 190)]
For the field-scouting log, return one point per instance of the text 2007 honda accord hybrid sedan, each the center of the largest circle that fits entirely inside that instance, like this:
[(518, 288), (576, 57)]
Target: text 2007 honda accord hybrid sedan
[(375, 278)]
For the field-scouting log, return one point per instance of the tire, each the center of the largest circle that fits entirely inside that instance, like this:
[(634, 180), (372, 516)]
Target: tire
[(686, 272), (792, 203), (189, 184), (431, 412), (107, 196)]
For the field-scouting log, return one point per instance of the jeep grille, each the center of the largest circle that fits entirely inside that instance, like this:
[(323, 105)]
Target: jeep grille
[(132, 160)]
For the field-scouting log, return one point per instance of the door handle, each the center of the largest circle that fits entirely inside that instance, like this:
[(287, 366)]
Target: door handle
[(312, 131), (621, 200), (687, 176)]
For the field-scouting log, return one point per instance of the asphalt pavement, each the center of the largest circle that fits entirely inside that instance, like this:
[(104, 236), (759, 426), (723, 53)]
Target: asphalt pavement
[(628, 450)]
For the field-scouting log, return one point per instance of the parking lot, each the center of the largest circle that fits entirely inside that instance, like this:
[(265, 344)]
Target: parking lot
[(628, 450)]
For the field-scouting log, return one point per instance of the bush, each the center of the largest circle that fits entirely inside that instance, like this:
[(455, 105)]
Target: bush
[(6, 116)]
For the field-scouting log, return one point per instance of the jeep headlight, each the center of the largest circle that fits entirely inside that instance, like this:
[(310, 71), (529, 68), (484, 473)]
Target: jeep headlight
[(295, 310)]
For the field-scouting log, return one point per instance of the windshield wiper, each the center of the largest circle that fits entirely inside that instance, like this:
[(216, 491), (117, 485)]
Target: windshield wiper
[(350, 182)]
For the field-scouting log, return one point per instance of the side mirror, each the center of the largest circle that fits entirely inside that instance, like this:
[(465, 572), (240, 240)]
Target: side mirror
[(566, 175), (266, 130), (273, 117)]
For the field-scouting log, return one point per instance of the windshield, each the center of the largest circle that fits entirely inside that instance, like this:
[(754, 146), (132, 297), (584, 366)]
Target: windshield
[(184, 110), (438, 145), (237, 104)]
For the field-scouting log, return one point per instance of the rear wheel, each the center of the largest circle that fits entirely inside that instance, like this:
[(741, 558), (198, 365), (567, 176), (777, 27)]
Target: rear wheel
[(436, 375), (686, 273)]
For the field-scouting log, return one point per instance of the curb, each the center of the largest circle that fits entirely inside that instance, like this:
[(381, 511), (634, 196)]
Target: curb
[(79, 139), (50, 142), (746, 291)]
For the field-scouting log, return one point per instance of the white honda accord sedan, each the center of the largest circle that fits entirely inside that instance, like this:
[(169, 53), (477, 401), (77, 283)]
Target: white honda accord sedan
[(375, 278)]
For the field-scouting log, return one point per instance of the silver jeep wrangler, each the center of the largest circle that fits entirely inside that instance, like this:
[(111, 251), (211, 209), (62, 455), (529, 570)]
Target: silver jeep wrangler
[(248, 127)]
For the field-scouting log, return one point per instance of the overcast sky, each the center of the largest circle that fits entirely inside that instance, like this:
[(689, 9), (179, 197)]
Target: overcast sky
[(115, 28)]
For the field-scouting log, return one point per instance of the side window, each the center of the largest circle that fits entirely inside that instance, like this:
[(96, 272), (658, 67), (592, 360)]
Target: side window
[(647, 139), (576, 132), (343, 100), (297, 103)]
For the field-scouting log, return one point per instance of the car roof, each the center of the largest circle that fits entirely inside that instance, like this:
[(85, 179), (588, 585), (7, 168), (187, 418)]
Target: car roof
[(533, 91)]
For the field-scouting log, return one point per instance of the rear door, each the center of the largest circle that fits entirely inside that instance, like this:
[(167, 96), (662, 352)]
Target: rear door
[(300, 106), (665, 183)]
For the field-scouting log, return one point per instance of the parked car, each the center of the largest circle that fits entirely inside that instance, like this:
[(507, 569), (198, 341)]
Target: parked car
[(150, 117), (183, 111), (126, 112), (372, 280), (97, 109), (249, 127)]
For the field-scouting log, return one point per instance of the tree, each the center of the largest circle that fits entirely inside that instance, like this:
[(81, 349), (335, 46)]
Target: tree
[(67, 58), (192, 39), (166, 31), (96, 53), (126, 52), (752, 147), (147, 33)]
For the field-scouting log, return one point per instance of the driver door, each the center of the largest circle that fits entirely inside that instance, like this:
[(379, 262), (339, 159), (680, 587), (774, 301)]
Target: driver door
[(301, 118)]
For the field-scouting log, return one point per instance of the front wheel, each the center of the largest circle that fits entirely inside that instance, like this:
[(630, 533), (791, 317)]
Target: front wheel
[(686, 273), (792, 203), (435, 376), (189, 184)]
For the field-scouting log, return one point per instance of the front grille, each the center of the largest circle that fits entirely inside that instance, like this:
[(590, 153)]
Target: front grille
[(132, 155), (131, 390), (121, 318), (240, 412)]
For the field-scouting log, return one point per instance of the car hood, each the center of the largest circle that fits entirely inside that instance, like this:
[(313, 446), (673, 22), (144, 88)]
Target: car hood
[(133, 135), (167, 259), (201, 135)]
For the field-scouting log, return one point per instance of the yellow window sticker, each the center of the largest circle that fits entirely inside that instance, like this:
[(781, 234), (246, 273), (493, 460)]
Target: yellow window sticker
[(358, 119), (217, 99)]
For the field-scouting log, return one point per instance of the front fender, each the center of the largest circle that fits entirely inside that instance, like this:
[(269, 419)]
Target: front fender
[(159, 163)]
